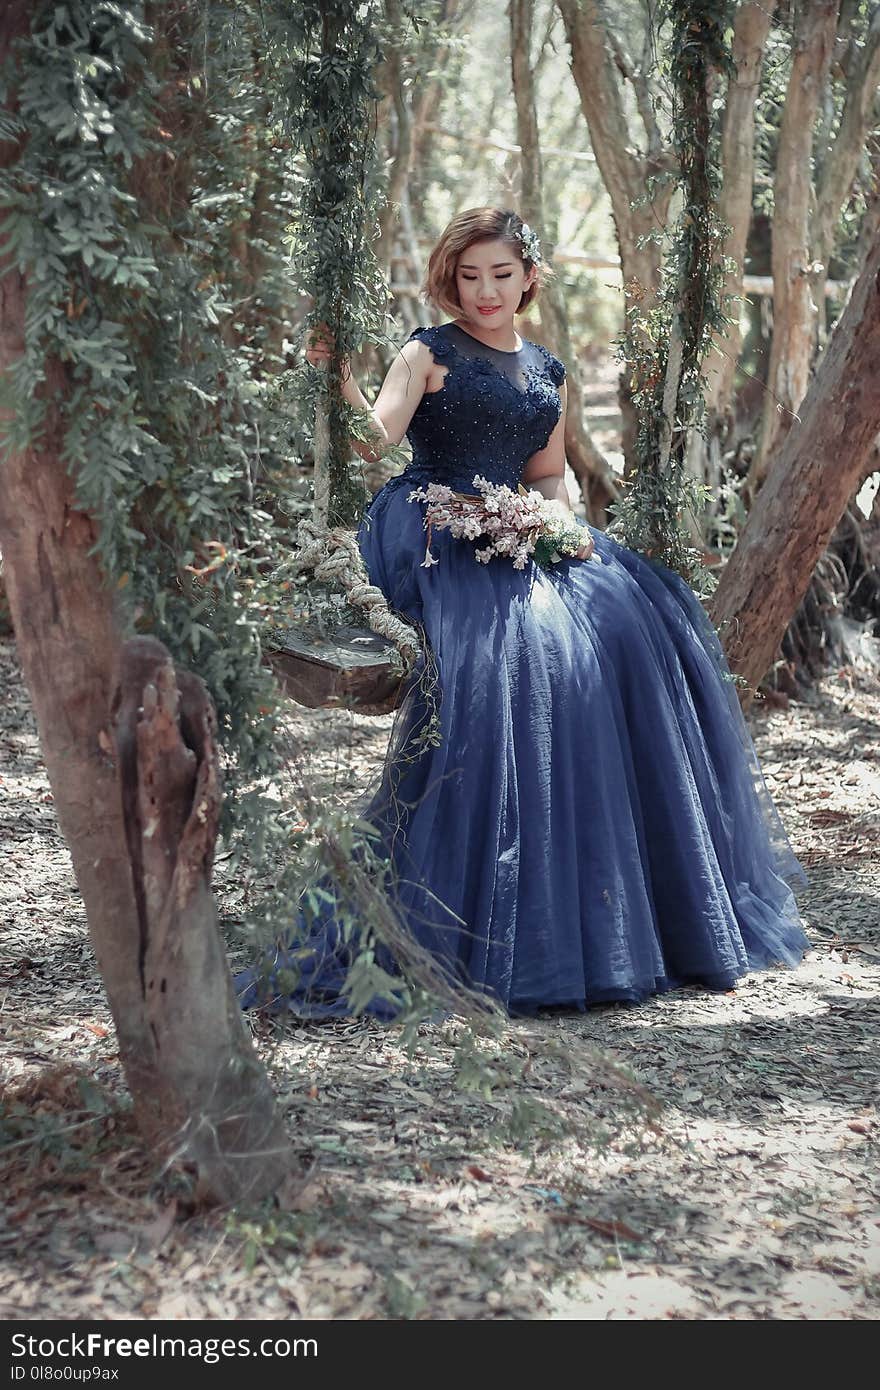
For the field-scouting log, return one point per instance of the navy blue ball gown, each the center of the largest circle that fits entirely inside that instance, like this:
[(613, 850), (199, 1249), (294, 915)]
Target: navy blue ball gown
[(592, 824)]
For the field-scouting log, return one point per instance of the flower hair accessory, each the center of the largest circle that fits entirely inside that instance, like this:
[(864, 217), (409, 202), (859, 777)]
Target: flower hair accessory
[(530, 243)]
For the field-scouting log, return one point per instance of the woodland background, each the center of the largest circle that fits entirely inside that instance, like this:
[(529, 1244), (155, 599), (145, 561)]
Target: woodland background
[(183, 189)]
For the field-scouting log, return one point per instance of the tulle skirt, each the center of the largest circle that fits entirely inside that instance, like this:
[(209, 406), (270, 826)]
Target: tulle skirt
[(591, 822)]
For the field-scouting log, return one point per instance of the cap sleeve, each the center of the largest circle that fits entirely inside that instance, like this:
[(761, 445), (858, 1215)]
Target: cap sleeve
[(431, 335), (555, 368)]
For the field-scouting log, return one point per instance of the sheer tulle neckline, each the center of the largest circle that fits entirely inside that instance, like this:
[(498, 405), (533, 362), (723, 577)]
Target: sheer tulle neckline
[(502, 352)]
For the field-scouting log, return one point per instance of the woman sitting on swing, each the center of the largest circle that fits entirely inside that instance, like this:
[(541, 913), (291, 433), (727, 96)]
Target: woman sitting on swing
[(592, 824)]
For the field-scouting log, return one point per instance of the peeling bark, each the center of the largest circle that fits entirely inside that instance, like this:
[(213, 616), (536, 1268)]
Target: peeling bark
[(197, 1086), (219, 1107), (624, 170)]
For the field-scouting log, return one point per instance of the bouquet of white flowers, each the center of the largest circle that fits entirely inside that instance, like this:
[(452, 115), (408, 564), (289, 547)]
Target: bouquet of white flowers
[(522, 525)]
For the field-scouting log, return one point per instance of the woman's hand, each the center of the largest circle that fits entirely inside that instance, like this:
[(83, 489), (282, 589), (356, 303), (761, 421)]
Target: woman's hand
[(585, 551), (320, 346)]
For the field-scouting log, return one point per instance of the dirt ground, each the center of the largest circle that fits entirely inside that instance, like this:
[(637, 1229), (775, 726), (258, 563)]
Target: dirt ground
[(757, 1196)]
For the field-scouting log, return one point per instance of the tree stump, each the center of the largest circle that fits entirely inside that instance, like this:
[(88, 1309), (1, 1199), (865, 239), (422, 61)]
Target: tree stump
[(165, 735)]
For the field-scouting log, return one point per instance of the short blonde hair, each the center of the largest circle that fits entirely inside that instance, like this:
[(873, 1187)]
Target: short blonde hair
[(468, 227)]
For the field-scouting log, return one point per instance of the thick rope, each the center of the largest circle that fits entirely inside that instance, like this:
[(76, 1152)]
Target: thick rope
[(334, 557)]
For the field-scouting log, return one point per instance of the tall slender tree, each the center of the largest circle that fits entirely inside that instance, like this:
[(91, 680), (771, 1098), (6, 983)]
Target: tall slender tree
[(752, 23), (637, 166), (590, 467), (838, 163), (794, 310)]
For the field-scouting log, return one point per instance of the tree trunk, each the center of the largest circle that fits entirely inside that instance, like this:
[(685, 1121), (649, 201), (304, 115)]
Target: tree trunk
[(735, 199), (704, 456), (840, 164), (870, 223), (439, 77), (70, 645), (822, 462), (595, 62), (216, 1094), (588, 464), (197, 1085), (399, 155), (794, 312)]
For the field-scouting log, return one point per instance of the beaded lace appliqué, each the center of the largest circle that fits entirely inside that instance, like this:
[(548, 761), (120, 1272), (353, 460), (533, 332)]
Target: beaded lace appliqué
[(480, 421)]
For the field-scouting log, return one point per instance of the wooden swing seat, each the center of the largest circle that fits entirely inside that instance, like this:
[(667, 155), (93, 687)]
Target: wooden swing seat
[(353, 669)]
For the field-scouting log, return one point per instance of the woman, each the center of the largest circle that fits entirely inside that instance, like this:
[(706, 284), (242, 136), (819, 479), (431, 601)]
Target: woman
[(592, 823)]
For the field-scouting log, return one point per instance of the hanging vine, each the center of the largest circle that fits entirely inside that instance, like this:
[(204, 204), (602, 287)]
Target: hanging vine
[(324, 55), (664, 348), (118, 210)]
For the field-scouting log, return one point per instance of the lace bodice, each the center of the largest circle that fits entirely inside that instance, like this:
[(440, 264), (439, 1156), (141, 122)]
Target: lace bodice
[(494, 410)]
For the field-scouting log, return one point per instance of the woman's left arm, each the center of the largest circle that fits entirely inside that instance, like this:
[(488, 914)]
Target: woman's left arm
[(545, 470)]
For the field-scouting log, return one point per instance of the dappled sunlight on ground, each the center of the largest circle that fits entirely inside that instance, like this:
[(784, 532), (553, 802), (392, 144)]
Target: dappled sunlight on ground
[(758, 1196)]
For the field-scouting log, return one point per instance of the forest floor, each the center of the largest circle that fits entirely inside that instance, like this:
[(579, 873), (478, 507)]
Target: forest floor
[(756, 1195)]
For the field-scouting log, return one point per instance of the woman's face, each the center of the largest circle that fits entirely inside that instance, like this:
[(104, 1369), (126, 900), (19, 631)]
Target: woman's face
[(490, 278)]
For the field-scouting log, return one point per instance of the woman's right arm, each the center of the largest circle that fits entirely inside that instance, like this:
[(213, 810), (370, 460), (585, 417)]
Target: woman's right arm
[(396, 402)]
